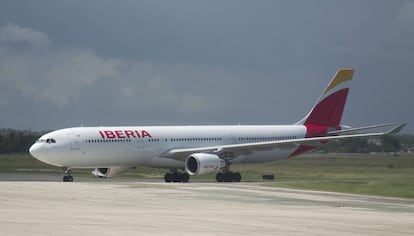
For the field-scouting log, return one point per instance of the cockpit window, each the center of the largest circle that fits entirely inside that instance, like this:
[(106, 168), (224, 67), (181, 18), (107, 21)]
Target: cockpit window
[(50, 140)]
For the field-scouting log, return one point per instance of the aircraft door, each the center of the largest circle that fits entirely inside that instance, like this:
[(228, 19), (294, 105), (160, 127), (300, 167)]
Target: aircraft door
[(74, 141), (140, 143)]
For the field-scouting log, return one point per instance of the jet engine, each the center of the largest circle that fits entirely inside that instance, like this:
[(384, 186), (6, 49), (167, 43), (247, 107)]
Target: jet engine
[(203, 163), (110, 171)]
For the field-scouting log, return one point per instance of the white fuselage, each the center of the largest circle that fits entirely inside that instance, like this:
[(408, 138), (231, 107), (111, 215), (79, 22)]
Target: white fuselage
[(90, 147)]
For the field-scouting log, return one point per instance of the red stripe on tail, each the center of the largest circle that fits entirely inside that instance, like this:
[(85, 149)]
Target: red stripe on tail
[(328, 112)]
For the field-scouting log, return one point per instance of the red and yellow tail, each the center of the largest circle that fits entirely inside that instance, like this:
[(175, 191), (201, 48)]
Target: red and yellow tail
[(328, 110)]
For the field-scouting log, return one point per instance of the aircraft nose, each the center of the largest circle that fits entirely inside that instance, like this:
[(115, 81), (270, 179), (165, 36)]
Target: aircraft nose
[(38, 151), (43, 153), (34, 150)]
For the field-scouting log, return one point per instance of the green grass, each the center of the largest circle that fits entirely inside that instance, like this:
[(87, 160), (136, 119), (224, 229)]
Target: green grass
[(382, 175), (23, 162)]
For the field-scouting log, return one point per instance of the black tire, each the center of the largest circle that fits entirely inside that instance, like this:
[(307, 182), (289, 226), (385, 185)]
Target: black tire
[(220, 177), (70, 178), (168, 178), (176, 177), (228, 177), (185, 177), (237, 177)]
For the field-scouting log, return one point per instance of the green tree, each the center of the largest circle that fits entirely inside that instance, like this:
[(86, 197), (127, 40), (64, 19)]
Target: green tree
[(391, 144)]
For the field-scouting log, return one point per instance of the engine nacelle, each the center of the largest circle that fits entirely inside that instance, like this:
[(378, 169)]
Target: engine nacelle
[(203, 163), (110, 171)]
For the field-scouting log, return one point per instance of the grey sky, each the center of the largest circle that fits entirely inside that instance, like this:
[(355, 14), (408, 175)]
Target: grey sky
[(71, 63)]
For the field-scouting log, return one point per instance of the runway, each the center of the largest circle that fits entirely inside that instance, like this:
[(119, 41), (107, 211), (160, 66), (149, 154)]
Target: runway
[(152, 208)]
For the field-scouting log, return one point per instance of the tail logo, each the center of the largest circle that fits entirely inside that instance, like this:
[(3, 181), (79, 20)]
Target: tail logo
[(330, 106)]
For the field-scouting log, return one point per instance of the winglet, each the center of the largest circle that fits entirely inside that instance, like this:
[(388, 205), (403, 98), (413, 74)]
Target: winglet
[(396, 129)]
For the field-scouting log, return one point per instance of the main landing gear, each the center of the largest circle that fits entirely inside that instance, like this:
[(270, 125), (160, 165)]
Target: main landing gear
[(175, 176), (67, 177), (227, 175)]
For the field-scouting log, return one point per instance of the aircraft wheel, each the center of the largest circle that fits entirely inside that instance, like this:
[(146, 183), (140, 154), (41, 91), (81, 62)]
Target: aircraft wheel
[(185, 177), (220, 177), (168, 177), (176, 177), (237, 177), (68, 178), (228, 177)]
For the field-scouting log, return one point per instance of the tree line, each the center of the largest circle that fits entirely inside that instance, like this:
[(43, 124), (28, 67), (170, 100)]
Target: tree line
[(15, 141), (381, 144)]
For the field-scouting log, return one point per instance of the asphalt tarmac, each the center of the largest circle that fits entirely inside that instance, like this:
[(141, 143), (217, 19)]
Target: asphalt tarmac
[(38, 205)]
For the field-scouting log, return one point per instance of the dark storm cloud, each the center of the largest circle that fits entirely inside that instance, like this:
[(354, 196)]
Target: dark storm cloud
[(175, 62)]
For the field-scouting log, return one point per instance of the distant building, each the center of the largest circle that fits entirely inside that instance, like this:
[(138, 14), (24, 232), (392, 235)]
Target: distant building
[(377, 141)]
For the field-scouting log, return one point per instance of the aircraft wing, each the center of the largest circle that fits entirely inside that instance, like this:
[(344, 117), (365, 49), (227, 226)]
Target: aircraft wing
[(355, 130), (233, 150)]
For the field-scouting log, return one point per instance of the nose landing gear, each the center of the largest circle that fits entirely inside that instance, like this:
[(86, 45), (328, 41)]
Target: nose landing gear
[(67, 177)]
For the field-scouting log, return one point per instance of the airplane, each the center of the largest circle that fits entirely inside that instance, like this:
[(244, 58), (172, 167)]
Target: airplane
[(205, 149)]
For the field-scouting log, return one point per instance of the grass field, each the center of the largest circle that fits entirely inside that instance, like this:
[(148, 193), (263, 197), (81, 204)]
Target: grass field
[(382, 175)]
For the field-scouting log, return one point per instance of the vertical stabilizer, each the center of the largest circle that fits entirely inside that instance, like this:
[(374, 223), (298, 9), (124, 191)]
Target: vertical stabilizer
[(330, 106)]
